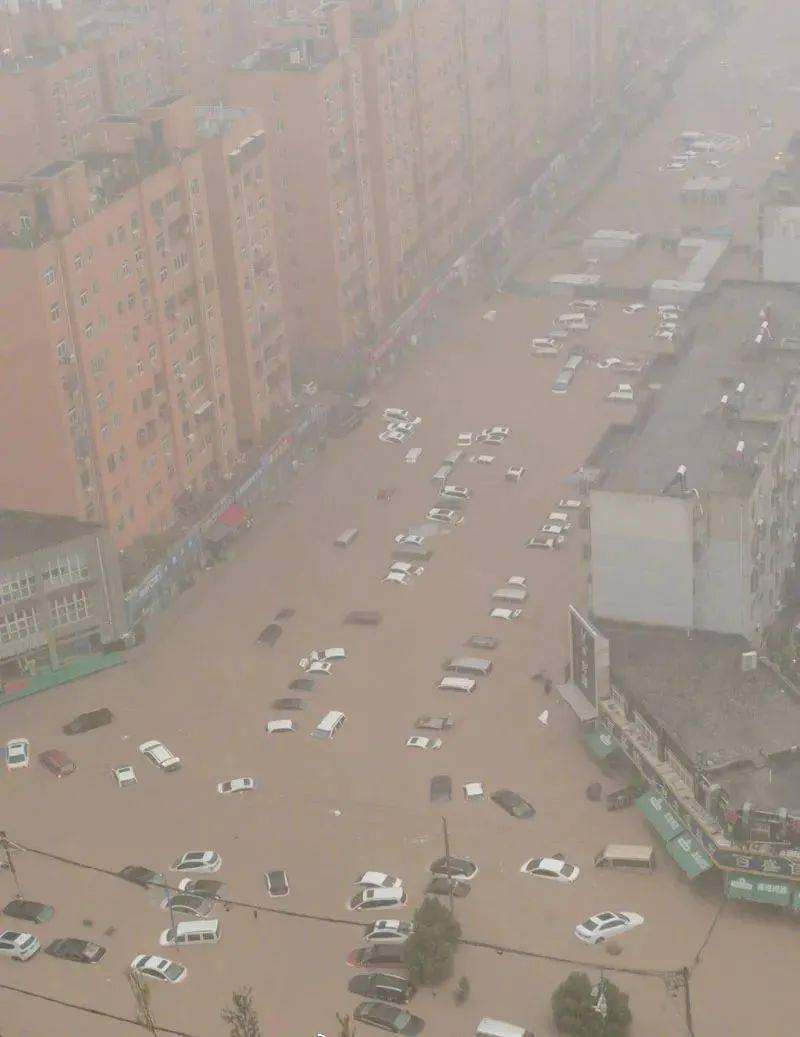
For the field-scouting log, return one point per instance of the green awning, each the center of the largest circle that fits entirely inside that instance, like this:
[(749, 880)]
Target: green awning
[(660, 816), (739, 886), (600, 744), (688, 854)]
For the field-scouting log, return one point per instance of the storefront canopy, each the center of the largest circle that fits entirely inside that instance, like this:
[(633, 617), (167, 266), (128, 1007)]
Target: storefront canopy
[(574, 697), (660, 816), (600, 744), (686, 852), (739, 886), (234, 516)]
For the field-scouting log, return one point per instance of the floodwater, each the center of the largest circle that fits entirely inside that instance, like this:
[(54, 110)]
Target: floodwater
[(326, 811)]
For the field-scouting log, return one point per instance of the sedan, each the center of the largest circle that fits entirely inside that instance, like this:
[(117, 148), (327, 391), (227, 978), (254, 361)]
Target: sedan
[(19, 946), (495, 430), (207, 888), (393, 437), (225, 788), (290, 704), (18, 753), (323, 666), (270, 634), (389, 930), (441, 886), (493, 439), (633, 307), (599, 928), (377, 955), (454, 867), (513, 804), (441, 788), (545, 541), (402, 579), (201, 862), (88, 721), (84, 952), (446, 515), (433, 723), (125, 776), (376, 879), (483, 641), (323, 655), (384, 986), (140, 876), (482, 459), (385, 1017), (154, 967), (406, 427), (277, 883), (550, 868), (421, 742), (464, 439), (501, 613), (407, 568), (409, 538), (544, 347), (554, 529), (300, 684), (280, 727), (515, 473), (188, 904), (29, 910)]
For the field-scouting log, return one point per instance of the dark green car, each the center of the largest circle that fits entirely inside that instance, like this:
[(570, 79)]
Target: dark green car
[(29, 910), (387, 1017)]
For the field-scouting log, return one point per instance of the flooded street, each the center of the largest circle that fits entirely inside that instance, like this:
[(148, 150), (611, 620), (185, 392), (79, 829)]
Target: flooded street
[(326, 811)]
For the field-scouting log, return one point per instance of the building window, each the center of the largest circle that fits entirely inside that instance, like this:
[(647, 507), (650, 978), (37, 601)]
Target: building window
[(16, 587), (180, 261), (55, 311), (49, 276), (64, 570), (62, 352), (194, 186), (70, 608), (89, 330), (84, 298), (17, 625)]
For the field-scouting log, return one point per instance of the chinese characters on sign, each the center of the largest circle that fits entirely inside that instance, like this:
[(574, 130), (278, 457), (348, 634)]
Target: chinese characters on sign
[(589, 658)]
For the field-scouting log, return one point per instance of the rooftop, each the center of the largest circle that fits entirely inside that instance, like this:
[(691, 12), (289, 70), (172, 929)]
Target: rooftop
[(214, 120), (689, 424), (729, 721), (24, 531)]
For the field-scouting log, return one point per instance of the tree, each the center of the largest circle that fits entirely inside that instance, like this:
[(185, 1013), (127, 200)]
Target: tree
[(574, 1013), (241, 1015), (430, 950), (346, 1028)]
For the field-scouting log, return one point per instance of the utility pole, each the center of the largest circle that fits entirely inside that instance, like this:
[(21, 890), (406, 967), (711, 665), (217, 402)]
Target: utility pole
[(141, 995), (5, 846), (447, 858), (687, 1000)]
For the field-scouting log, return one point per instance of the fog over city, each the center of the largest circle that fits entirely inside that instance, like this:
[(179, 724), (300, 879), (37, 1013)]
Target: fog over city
[(399, 517)]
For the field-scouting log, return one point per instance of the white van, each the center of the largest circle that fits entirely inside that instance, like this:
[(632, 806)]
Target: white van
[(469, 666), (466, 685), (329, 725), (513, 594), (185, 933), (413, 455), (497, 1028), (572, 322), (635, 858)]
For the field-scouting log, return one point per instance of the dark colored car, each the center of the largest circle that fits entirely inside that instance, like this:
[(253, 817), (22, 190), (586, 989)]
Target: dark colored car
[(383, 986), (441, 788), (483, 641), (513, 804), (454, 867), (302, 684), (88, 721), (82, 951), (277, 883), (208, 888), (29, 910), (443, 887), (270, 634), (284, 613), (291, 704), (378, 954), (364, 618), (140, 875), (385, 1017), (57, 762)]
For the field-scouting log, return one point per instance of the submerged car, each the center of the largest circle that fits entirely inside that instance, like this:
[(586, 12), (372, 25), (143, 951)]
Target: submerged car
[(607, 924), (385, 1017), (84, 952), (513, 804), (550, 868)]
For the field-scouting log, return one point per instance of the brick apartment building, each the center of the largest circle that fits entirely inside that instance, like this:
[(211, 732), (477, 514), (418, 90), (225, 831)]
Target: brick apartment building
[(120, 388)]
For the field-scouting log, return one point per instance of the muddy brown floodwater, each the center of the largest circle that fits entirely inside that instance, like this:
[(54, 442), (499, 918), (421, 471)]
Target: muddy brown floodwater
[(327, 811)]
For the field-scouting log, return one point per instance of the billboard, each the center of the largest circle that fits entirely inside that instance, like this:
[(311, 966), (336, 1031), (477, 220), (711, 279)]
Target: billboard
[(588, 658)]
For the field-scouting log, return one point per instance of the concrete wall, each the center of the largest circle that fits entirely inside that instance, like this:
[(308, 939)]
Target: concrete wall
[(722, 573), (642, 558)]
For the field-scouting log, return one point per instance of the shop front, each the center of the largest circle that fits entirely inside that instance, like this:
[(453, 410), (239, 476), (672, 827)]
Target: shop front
[(682, 847)]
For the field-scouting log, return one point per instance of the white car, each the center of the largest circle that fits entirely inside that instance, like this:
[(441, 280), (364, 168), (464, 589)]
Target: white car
[(406, 427), (494, 439), (324, 655), (323, 667), (225, 788), (409, 538), (495, 430), (413, 455), (378, 879), (464, 439), (665, 336), (402, 579), (515, 473), (160, 755), (18, 753), (570, 504), (280, 727), (19, 946), (545, 541), (501, 613), (459, 492), (553, 529), (451, 518), (550, 868), (623, 393), (125, 776), (609, 361), (155, 967), (560, 518), (421, 742), (482, 459), (676, 165), (633, 307), (407, 568), (389, 930), (393, 437), (545, 347), (607, 924), (199, 862), (517, 581)]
